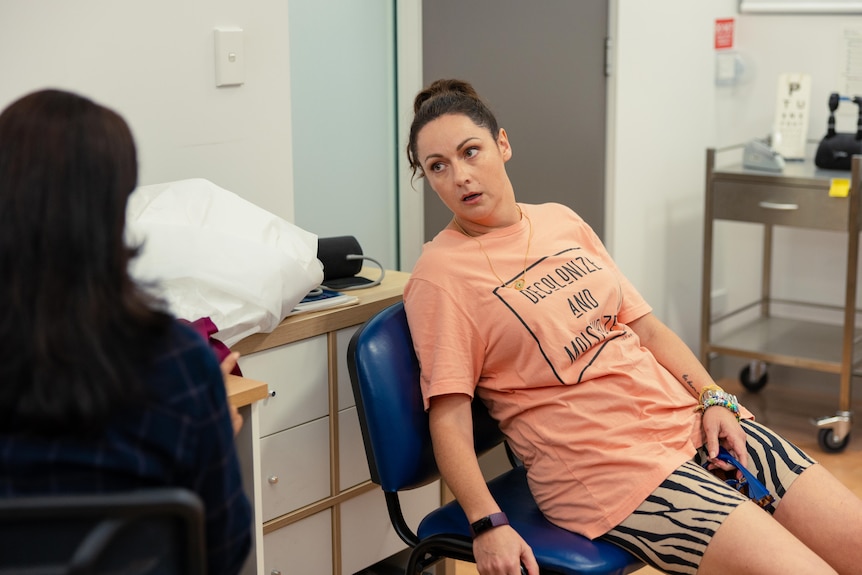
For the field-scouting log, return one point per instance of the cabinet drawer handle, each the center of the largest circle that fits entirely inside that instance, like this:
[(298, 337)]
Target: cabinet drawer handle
[(777, 206), (273, 479), (275, 572)]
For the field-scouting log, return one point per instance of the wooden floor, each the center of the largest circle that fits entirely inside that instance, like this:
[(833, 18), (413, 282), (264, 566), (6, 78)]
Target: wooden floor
[(787, 404)]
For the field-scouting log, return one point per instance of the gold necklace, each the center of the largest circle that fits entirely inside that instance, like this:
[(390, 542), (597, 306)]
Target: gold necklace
[(521, 281)]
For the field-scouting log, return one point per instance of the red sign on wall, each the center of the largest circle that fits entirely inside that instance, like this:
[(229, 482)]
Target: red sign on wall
[(723, 33)]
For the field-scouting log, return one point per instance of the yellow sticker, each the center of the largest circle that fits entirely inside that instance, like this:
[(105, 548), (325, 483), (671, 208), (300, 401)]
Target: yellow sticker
[(839, 188)]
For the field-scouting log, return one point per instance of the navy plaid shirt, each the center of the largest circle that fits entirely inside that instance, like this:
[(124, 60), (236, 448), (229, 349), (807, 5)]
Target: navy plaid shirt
[(182, 438)]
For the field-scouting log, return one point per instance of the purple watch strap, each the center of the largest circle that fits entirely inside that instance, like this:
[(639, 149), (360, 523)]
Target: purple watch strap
[(488, 522)]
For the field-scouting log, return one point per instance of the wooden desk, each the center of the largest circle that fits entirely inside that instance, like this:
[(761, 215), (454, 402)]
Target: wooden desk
[(245, 391), (305, 325), (242, 391), (316, 510)]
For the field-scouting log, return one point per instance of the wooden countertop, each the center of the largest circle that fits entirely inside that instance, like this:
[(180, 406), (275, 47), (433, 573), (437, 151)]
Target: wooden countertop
[(244, 391), (304, 325)]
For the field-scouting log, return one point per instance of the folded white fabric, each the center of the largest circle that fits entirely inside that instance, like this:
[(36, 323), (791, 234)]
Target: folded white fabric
[(209, 253)]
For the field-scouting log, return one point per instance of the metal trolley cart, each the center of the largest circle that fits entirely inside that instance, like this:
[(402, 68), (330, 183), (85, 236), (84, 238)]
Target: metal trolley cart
[(797, 197)]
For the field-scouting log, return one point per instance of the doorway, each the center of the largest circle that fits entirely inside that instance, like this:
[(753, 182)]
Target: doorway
[(541, 68)]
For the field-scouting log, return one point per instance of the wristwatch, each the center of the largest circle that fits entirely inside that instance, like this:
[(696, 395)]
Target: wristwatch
[(488, 522)]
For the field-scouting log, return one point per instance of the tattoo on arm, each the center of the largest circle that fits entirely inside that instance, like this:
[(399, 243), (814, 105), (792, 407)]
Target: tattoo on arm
[(688, 382)]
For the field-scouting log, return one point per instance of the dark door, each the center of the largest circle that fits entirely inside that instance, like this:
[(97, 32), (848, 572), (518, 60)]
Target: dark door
[(541, 67)]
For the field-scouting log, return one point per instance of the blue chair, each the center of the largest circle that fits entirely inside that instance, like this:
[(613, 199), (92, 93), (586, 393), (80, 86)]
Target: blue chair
[(158, 531), (384, 373)]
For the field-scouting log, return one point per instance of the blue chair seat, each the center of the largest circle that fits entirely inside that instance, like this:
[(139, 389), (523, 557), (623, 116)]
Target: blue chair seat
[(555, 548)]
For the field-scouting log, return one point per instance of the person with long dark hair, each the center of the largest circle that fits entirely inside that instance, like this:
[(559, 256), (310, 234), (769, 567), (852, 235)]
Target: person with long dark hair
[(100, 388)]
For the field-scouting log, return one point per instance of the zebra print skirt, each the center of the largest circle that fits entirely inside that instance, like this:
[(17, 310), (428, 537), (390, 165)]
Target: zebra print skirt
[(671, 529)]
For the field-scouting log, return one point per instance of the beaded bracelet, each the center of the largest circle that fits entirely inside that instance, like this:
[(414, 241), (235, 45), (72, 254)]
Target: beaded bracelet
[(714, 395), (709, 387)]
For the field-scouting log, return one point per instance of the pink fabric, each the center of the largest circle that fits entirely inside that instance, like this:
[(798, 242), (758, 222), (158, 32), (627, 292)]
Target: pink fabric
[(206, 328)]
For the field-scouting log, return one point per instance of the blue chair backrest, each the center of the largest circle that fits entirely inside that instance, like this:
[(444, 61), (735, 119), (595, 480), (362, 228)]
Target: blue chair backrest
[(384, 372)]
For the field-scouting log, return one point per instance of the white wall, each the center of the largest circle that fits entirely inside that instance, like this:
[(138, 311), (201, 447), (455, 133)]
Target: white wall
[(153, 63), (663, 101), (808, 265), (666, 109), (769, 45)]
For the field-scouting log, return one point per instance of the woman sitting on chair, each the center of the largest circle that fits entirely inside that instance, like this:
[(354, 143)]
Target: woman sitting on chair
[(100, 390), (612, 415)]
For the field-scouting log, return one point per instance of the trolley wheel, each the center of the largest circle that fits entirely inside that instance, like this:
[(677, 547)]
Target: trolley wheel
[(753, 385), (828, 442)]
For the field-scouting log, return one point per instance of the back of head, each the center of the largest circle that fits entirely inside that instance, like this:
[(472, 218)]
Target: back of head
[(67, 167), (444, 97)]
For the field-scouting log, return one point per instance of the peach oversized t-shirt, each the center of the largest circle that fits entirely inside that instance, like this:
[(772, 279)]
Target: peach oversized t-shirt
[(597, 421)]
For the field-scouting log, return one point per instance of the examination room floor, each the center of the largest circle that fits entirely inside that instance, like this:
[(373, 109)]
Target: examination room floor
[(787, 404)]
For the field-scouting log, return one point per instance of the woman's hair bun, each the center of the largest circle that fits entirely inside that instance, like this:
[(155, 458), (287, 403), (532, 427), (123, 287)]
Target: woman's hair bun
[(439, 87)]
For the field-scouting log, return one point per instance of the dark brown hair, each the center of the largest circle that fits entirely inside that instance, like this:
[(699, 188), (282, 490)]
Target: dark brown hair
[(74, 328), (447, 97)]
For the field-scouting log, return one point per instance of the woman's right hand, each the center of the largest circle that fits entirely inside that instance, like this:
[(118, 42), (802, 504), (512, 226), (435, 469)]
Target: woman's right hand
[(501, 551), (498, 551)]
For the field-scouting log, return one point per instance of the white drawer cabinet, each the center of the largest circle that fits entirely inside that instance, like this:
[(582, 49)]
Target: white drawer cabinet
[(297, 376), (345, 390), (301, 548), (319, 512), (293, 474), (367, 535), (353, 466)]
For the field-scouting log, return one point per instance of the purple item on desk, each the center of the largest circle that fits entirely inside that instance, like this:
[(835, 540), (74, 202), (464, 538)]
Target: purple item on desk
[(205, 328)]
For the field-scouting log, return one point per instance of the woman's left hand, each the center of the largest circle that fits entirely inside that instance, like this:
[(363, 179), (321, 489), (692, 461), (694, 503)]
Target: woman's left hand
[(227, 365), (720, 427)]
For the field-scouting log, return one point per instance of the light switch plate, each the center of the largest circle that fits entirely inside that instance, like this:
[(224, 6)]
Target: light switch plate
[(229, 57)]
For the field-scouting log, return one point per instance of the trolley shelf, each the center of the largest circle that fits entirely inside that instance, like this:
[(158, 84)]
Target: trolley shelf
[(798, 197), (789, 342)]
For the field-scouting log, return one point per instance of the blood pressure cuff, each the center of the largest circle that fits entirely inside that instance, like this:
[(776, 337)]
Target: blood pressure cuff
[(342, 259)]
